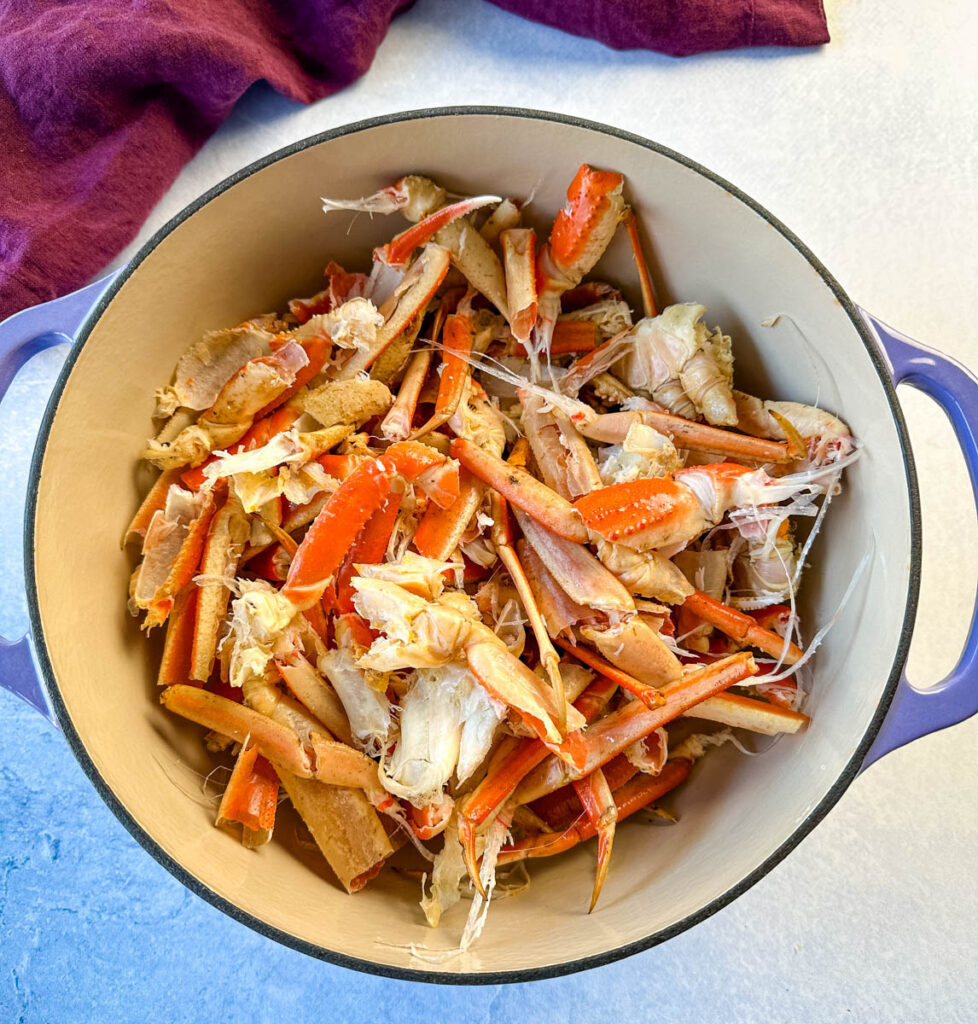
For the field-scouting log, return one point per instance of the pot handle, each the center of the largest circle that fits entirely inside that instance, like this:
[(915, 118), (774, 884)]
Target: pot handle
[(22, 336), (915, 713)]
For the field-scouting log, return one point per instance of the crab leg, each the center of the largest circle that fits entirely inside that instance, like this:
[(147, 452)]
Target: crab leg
[(561, 454), (610, 735), (741, 627), (644, 278), (322, 758), (646, 693), (155, 501), (348, 510), (398, 250), (741, 712), (521, 489), (581, 232), (602, 814), (184, 566), (506, 775), (433, 266), (225, 543), (502, 538), (570, 337), (613, 427), (457, 347), (262, 431), (311, 690), (440, 530), (635, 794), (660, 512), (175, 663), (519, 258), (396, 425), (250, 797)]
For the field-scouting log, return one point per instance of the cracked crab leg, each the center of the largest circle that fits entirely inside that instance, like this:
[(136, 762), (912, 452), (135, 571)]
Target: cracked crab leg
[(521, 489), (635, 794), (610, 735), (456, 347), (502, 538), (613, 427), (507, 774), (741, 627), (350, 507)]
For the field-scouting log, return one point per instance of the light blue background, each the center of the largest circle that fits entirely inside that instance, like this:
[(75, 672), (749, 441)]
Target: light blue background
[(875, 916)]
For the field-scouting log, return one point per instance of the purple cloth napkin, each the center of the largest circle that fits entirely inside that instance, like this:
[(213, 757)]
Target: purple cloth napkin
[(103, 101)]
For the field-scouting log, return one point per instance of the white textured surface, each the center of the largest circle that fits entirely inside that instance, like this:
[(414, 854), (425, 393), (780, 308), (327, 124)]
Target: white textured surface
[(868, 149)]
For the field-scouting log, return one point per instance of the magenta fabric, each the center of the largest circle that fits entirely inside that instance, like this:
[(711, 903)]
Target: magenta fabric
[(103, 101)]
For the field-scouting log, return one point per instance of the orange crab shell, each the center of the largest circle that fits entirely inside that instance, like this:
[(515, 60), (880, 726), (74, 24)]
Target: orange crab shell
[(640, 512), (583, 227)]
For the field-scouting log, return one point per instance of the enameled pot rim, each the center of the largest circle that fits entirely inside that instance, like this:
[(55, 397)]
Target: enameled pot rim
[(77, 744)]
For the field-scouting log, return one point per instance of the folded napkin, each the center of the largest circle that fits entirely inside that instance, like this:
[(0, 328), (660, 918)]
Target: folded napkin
[(102, 101)]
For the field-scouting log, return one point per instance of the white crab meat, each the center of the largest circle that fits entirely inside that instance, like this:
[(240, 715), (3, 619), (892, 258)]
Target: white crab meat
[(447, 725), (418, 633), (260, 620), (644, 453), (418, 574)]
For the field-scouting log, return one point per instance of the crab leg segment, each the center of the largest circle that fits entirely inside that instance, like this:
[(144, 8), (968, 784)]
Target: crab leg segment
[(502, 538), (519, 257), (398, 250), (433, 265), (396, 425), (323, 759), (602, 814), (613, 427), (522, 490), (251, 797), (610, 735), (648, 695), (580, 235), (741, 627), (644, 278), (350, 507), (457, 346), (635, 794), (505, 776), (440, 529)]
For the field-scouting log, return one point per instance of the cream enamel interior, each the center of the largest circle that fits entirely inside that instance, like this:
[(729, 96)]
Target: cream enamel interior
[(264, 240)]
